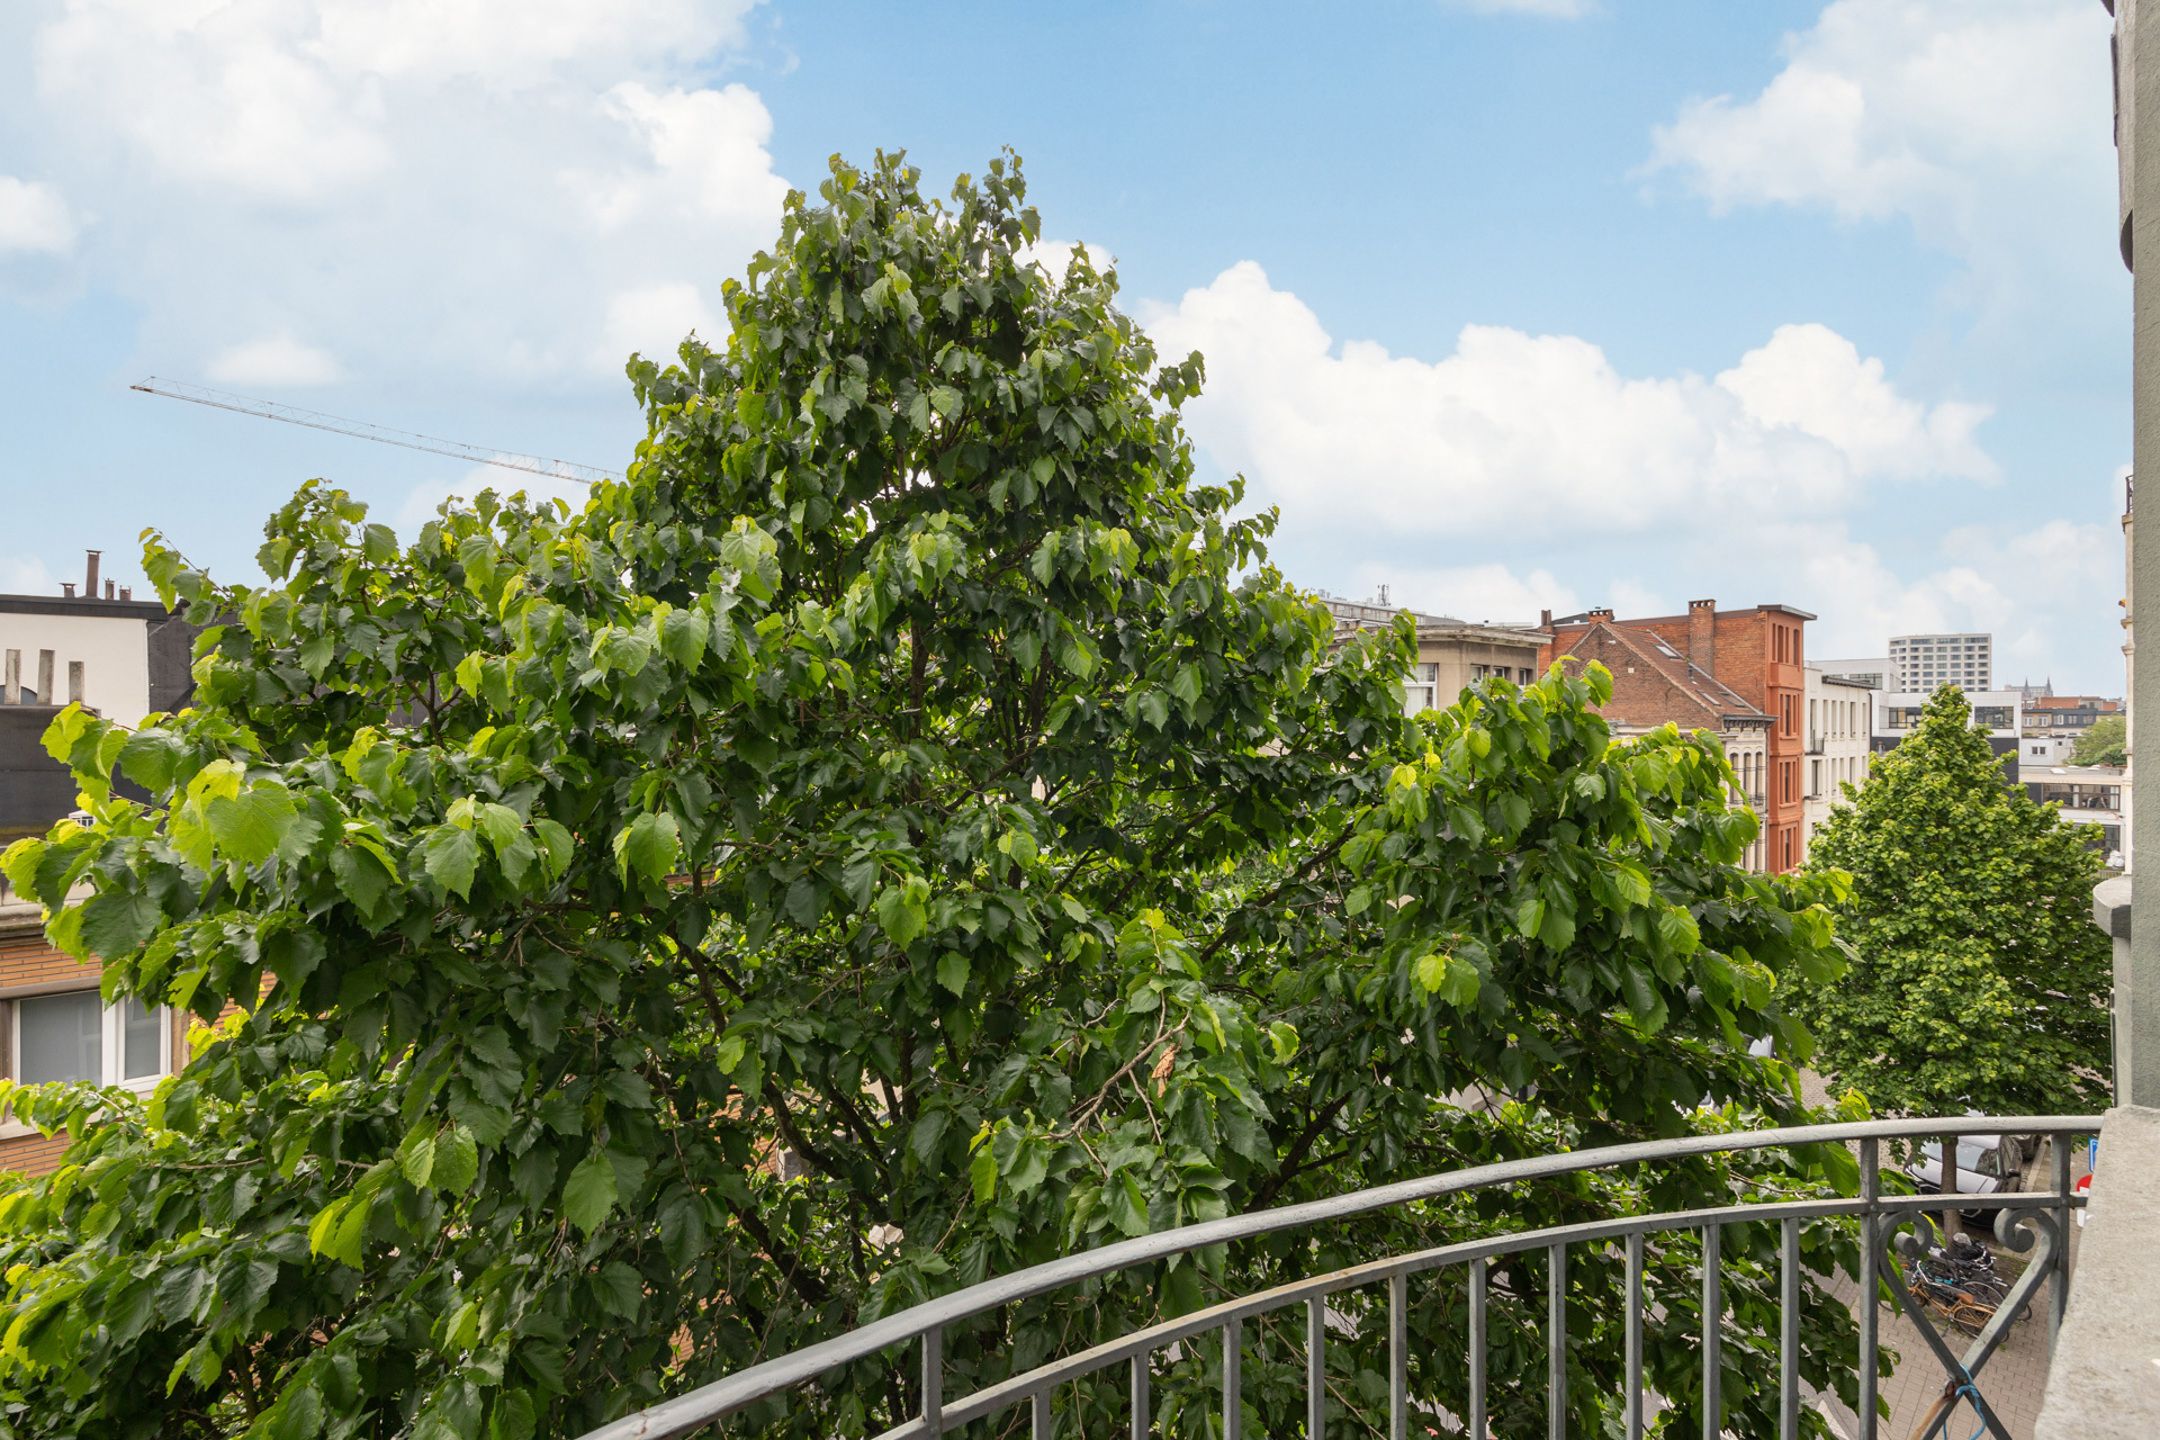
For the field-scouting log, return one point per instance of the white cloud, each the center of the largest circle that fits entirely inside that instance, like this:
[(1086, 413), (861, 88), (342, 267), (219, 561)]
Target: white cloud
[(1488, 592), (34, 217), (1056, 256), (1811, 380), (652, 321), (1984, 123), (274, 360), (1514, 430), (419, 186), (2027, 586), (426, 498)]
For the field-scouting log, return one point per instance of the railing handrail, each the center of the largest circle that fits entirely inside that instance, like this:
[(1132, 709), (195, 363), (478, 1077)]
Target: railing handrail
[(722, 1397)]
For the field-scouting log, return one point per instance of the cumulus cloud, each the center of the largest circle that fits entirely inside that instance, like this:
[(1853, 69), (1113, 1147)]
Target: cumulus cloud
[(1512, 427), (465, 186), (652, 320), (1984, 123), (1056, 256), (34, 218), (274, 361)]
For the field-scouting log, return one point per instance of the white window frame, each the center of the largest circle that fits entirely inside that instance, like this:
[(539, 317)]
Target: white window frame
[(112, 1040)]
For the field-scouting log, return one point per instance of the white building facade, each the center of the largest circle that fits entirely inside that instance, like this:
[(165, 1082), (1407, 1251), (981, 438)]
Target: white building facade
[(1929, 662), (2000, 712), (1876, 672), (1840, 732)]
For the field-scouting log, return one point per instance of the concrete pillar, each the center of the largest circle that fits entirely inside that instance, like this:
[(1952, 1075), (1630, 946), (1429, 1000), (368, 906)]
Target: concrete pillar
[(2137, 994), (45, 677)]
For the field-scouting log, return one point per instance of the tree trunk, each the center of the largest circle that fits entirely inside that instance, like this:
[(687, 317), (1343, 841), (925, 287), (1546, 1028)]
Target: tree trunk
[(1948, 1173)]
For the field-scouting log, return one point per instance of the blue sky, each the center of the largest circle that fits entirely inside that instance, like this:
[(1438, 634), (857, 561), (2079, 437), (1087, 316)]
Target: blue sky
[(1506, 304)]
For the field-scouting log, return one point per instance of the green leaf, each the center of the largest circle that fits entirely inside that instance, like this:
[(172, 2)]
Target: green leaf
[(650, 846), (251, 825), (1643, 1000), (115, 923), (620, 1289), (683, 635), (1283, 1041), (983, 1174), (556, 839), (952, 971), (457, 1160), (589, 1193), (512, 1417), (339, 1228), (450, 856), (683, 1231), (416, 1157), (360, 878), (298, 1415), (902, 911), (152, 758)]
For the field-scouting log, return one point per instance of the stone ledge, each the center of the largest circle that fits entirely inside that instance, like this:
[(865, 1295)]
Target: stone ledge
[(2111, 906), (2104, 1382)]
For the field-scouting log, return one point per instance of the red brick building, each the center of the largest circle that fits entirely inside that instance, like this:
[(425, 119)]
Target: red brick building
[(1756, 655)]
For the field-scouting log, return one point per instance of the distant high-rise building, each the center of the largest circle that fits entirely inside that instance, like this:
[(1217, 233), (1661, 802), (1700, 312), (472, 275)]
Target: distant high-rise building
[(1929, 662)]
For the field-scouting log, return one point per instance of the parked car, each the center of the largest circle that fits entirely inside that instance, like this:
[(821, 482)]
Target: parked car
[(1986, 1164)]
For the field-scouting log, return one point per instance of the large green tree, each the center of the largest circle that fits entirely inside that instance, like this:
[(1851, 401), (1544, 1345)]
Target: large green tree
[(912, 770), (2107, 743), (1978, 978)]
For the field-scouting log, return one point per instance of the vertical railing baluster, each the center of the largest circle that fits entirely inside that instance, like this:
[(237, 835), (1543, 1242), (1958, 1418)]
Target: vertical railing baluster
[(2059, 1291), (1315, 1367), (1233, 1387), (933, 1380), (1140, 1425), (1477, 1350), (1634, 1399), (1713, 1322), (1042, 1428), (1870, 1284), (1398, 1344), (1556, 1348), (1789, 1332)]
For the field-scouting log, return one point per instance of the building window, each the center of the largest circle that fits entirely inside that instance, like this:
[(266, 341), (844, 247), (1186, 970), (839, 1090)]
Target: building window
[(73, 1036), (1420, 691)]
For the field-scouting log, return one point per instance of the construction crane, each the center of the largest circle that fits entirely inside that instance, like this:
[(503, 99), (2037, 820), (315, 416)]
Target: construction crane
[(363, 430)]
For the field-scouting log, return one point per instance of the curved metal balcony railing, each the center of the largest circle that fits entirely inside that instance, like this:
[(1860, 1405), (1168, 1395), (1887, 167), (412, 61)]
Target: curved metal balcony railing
[(1881, 1218)]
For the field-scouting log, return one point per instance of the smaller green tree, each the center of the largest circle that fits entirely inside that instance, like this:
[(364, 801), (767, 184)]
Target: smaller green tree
[(2107, 743), (1978, 978)]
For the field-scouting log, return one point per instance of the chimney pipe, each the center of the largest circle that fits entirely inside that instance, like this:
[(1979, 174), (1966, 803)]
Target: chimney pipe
[(90, 575), (75, 682), (11, 678), (67, 589), (111, 590), (127, 592), (45, 677)]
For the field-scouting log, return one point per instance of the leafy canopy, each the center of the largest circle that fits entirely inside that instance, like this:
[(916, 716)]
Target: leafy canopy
[(2106, 743), (902, 832), (1978, 978)]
